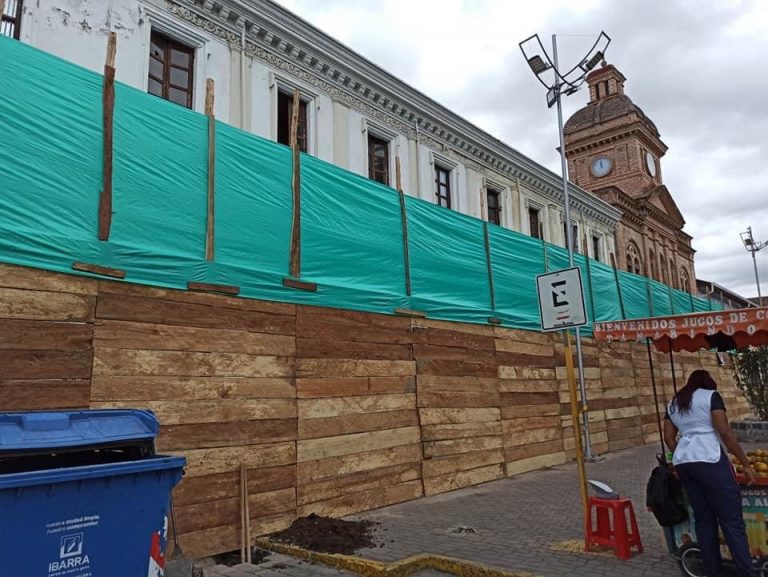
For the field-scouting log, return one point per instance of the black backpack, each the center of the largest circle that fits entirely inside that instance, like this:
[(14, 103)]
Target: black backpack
[(664, 496)]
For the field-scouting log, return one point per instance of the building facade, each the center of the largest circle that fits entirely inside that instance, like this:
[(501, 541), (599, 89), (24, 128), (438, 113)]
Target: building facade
[(352, 113), (614, 150)]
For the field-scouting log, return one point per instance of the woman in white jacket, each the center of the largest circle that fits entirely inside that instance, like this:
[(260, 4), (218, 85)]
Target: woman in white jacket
[(697, 413)]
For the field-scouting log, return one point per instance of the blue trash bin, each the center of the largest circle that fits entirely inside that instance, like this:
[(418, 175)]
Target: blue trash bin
[(82, 494)]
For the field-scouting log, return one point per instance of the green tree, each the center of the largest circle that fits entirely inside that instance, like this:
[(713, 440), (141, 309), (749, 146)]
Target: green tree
[(752, 373)]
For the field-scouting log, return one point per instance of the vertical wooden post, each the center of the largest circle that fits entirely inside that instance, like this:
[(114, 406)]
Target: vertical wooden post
[(2, 9), (295, 254), (404, 225), (488, 264), (589, 281), (210, 96), (649, 293), (108, 110), (618, 286)]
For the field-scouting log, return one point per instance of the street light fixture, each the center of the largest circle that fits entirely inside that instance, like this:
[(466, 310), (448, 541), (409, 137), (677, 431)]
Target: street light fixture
[(754, 246), (547, 72)]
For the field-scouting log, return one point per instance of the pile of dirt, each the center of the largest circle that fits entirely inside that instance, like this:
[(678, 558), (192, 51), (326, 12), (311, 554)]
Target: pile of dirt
[(326, 535)]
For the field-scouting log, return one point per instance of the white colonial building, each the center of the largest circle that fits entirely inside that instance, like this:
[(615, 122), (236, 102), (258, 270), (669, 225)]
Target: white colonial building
[(352, 113)]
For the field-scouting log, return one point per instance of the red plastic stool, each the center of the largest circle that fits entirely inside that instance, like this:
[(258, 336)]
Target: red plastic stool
[(612, 530)]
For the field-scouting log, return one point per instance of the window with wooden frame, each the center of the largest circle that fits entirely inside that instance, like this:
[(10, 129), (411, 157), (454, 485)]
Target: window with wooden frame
[(595, 247), (443, 186), (493, 201), (534, 223), (284, 111), (10, 22), (378, 159), (171, 67)]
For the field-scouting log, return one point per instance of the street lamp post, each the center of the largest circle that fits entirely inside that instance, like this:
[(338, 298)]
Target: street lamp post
[(544, 67), (754, 247)]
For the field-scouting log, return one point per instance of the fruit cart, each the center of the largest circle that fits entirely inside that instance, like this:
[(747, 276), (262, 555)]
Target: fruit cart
[(720, 331), (681, 539)]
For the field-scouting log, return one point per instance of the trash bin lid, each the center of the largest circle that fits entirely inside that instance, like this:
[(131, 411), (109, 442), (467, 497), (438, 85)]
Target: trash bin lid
[(33, 432)]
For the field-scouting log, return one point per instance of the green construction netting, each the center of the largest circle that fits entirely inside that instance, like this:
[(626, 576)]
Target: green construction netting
[(352, 242)]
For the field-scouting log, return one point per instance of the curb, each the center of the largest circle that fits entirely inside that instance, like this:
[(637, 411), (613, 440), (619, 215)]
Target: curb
[(401, 568)]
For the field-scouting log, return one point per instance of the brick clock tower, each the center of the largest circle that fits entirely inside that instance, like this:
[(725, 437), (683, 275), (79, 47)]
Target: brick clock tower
[(614, 151)]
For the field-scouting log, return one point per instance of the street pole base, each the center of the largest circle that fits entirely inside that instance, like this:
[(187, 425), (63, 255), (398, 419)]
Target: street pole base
[(594, 458)]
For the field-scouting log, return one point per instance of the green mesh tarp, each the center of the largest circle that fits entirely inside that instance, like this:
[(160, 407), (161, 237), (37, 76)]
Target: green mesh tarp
[(352, 241)]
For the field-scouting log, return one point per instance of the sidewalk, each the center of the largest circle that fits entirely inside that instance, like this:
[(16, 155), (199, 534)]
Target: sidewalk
[(529, 523), (520, 523)]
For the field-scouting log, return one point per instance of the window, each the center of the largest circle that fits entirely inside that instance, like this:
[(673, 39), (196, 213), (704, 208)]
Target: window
[(652, 261), (494, 205), (575, 237), (443, 183), (10, 23), (378, 159), (634, 264), (284, 110), (171, 65), (595, 247), (672, 274), (685, 280), (534, 223)]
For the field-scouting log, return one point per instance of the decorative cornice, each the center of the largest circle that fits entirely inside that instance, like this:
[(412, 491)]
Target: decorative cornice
[(285, 42)]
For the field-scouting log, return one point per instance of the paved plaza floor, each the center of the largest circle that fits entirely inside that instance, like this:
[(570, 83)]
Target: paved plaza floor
[(528, 523)]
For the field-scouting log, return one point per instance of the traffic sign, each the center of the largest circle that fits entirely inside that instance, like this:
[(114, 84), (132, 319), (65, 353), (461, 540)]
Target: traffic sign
[(561, 299)]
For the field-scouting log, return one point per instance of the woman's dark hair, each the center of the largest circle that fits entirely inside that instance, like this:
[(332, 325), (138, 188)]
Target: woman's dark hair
[(698, 379)]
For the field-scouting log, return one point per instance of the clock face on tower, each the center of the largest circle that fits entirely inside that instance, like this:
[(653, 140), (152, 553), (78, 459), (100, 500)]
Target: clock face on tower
[(601, 166), (650, 164)]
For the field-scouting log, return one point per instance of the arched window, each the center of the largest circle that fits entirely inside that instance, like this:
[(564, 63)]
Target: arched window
[(672, 274), (662, 270), (685, 280), (652, 260), (634, 263)]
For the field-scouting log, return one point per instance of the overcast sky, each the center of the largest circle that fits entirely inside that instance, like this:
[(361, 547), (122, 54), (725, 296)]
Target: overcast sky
[(696, 68)]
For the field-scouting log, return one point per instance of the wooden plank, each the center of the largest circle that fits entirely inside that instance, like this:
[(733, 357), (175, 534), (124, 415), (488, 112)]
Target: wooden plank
[(227, 303), (524, 348), (435, 352), (457, 383), (533, 436), (527, 373), (226, 459), (459, 431), (149, 388), (533, 463), (523, 336), (227, 289), (45, 305), (201, 516), (513, 425), (98, 269), (516, 359), (12, 276), (108, 110), (299, 284), (409, 312), (35, 364), (318, 368), (309, 327), (327, 316), (207, 542), (461, 462), (317, 428), (448, 447), (356, 482), (517, 399), (218, 434), (132, 335), (153, 310), (457, 368), (533, 450), (339, 406), (346, 387), (44, 394), (210, 226), (463, 337), (364, 500), (458, 399), (514, 412), (314, 449), (459, 479), (310, 471), (295, 247), (470, 415), (526, 386), (188, 364), (185, 412), (45, 335), (327, 348), (225, 485)]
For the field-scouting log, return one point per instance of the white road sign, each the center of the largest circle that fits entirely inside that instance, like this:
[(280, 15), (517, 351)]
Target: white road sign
[(561, 299)]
